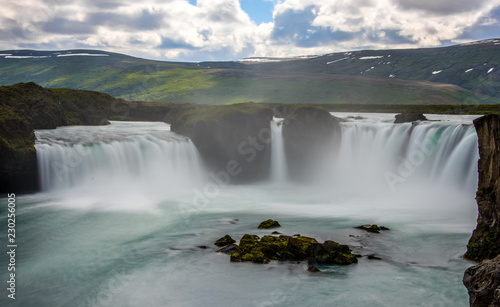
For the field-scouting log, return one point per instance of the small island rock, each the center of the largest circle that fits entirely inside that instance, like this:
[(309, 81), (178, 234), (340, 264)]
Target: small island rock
[(409, 117), (372, 228), (269, 224), (226, 240)]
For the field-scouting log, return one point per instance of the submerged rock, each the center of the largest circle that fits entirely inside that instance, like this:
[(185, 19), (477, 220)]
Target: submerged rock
[(226, 240), (269, 224), (409, 117), (373, 257), (313, 269), (282, 248), (483, 283), (372, 228), (228, 249)]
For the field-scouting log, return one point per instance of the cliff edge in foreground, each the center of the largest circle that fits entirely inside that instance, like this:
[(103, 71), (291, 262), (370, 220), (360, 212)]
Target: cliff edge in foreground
[(483, 280)]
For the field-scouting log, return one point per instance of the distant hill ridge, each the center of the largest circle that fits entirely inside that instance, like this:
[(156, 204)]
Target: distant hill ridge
[(466, 73)]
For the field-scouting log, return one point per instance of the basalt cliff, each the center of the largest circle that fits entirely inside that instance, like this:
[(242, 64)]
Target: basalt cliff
[(483, 280)]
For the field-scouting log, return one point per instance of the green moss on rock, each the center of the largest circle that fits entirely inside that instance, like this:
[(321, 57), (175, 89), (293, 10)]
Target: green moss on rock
[(269, 224), (483, 247), (282, 248), (226, 240)]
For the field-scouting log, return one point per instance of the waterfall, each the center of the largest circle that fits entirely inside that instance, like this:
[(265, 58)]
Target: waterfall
[(117, 158), (278, 158), (148, 158), (384, 156)]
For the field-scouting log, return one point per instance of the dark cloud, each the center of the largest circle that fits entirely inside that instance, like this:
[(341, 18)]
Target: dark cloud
[(224, 12), (486, 27), (296, 27), (388, 37), (106, 4), (66, 26), (168, 43), (142, 21), (440, 7)]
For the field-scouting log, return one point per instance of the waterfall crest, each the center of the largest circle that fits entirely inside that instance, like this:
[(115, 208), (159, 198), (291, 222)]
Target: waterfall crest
[(122, 156), (385, 156), (377, 155)]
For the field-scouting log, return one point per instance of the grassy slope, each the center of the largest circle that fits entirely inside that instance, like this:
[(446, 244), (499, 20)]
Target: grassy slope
[(138, 79), (237, 86), (408, 64)]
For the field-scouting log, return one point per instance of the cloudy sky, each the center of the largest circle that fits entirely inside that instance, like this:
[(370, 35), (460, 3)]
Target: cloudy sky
[(201, 30)]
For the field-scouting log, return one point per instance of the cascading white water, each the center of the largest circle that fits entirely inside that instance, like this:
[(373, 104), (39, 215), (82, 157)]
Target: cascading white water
[(130, 231), (278, 158), (381, 156), (143, 157)]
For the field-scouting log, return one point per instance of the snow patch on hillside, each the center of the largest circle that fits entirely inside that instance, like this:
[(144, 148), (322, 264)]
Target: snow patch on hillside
[(335, 61), (82, 54), (26, 57), (371, 57)]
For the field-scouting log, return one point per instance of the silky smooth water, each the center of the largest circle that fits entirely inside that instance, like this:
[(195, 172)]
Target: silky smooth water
[(110, 244), (278, 160)]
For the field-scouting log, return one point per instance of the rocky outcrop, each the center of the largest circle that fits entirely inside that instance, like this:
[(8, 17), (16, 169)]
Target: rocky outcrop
[(226, 240), (483, 280), (372, 228), (233, 140), (297, 248), (485, 240), (483, 283), (309, 134), (269, 224), (27, 106), (409, 117)]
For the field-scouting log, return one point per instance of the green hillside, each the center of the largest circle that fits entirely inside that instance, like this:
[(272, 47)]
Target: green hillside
[(474, 66), (310, 80)]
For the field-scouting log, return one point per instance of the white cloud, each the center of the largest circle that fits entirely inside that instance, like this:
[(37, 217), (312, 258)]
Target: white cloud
[(221, 30)]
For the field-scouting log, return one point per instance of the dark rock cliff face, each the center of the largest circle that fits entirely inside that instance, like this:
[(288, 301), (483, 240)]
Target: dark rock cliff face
[(309, 133), (483, 280), (483, 283), (27, 106), (485, 240), (233, 140)]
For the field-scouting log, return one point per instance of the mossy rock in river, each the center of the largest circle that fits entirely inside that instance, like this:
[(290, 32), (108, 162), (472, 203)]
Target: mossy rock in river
[(269, 224), (282, 248), (226, 240), (330, 252)]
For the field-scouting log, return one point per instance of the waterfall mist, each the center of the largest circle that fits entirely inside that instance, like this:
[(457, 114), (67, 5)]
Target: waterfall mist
[(122, 163), (424, 169), (132, 234)]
